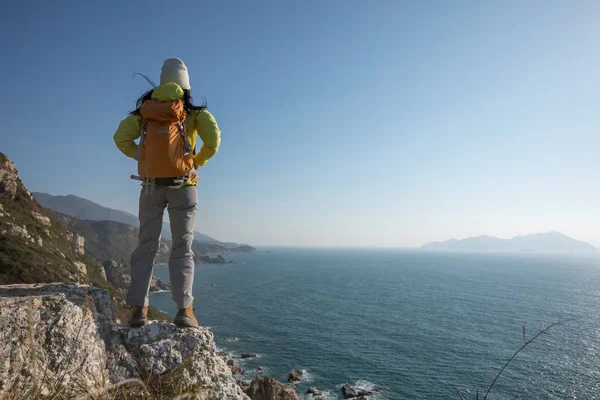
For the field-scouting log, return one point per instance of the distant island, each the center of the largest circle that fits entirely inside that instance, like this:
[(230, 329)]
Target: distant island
[(549, 241)]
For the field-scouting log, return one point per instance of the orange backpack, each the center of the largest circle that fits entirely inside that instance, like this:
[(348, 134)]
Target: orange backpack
[(164, 150)]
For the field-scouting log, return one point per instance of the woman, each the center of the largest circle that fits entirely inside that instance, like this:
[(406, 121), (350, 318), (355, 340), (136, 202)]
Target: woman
[(155, 120)]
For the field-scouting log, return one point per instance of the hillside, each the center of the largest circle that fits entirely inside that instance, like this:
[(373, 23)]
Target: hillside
[(34, 245), (106, 240), (88, 210), (83, 208), (549, 241)]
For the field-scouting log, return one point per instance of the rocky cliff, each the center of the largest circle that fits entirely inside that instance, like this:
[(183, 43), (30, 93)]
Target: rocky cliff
[(34, 246), (63, 337)]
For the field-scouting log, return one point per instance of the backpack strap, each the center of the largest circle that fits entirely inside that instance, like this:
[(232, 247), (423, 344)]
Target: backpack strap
[(142, 137), (187, 147), (139, 148)]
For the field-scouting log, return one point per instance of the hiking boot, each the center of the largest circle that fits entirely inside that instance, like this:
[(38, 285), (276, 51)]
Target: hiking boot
[(139, 316), (185, 318)]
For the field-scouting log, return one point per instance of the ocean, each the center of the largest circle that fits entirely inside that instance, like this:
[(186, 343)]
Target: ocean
[(414, 324)]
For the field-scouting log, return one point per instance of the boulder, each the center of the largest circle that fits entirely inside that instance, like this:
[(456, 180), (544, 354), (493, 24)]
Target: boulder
[(268, 388), (64, 334), (248, 355), (315, 392), (295, 376), (351, 392)]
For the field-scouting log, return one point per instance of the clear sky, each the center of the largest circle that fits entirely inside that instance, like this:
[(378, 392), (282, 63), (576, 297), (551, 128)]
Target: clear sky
[(343, 122)]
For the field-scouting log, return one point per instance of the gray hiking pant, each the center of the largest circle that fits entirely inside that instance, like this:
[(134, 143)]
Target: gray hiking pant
[(182, 204)]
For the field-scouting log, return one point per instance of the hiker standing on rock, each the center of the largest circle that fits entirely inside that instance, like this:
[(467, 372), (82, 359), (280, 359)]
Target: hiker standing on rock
[(167, 124)]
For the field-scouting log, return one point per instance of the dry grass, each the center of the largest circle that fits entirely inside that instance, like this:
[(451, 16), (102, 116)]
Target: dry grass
[(168, 385), (527, 342)]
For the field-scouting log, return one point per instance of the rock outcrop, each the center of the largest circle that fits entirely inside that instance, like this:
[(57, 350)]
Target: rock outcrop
[(295, 376), (20, 231), (65, 335), (317, 393), (42, 219), (351, 392), (199, 259), (81, 267), (8, 177), (268, 388)]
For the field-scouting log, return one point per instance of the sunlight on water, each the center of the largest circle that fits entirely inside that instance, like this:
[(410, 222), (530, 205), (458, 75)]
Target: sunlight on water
[(412, 324)]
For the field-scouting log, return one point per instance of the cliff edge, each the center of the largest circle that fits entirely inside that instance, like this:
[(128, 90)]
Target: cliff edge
[(64, 337)]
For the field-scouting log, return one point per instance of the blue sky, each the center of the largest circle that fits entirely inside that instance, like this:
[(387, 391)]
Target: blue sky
[(343, 122)]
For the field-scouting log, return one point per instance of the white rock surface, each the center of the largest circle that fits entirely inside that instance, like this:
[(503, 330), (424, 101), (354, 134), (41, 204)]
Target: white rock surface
[(42, 219), (21, 231), (8, 178), (68, 332), (78, 242), (80, 267)]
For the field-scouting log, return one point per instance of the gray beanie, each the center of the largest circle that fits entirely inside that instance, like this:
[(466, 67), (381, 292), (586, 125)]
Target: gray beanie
[(174, 70)]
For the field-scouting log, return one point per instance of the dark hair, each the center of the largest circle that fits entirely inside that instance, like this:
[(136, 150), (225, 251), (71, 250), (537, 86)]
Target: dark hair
[(187, 102)]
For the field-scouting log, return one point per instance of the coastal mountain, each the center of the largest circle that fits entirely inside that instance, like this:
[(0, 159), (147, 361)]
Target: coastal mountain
[(88, 210), (83, 208), (34, 246), (110, 240), (549, 241)]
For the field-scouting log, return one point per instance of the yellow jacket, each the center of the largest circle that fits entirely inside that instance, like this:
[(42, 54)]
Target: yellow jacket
[(199, 123)]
